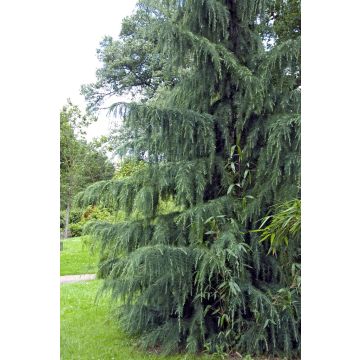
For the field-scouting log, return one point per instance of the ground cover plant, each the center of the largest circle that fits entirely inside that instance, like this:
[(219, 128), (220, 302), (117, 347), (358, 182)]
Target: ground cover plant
[(218, 126), (77, 258)]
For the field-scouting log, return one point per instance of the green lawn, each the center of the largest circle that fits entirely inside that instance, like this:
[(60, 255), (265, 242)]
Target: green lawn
[(76, 258), (87, 332)]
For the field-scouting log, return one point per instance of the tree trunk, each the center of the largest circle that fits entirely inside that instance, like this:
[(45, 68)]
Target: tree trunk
[(67, 217)]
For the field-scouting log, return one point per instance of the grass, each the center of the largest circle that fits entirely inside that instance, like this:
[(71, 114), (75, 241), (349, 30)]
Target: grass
[(76, 258), (87, 332)]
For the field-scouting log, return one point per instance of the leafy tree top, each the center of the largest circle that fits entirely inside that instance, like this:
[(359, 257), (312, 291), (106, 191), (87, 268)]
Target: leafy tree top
[(81, 163)]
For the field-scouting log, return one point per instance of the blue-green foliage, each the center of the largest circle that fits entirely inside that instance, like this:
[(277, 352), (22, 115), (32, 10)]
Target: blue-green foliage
[(222, 143)]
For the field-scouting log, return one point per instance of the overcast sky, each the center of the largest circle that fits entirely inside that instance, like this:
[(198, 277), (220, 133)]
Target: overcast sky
[(86, 22)]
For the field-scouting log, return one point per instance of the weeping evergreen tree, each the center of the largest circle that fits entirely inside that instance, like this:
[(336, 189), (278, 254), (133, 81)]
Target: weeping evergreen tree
[(221, 141)]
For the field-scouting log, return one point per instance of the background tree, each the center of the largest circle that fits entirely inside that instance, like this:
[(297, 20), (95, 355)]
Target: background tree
[(128, 168), (132, 64), (222, 140), (287, 19), (80, 163)]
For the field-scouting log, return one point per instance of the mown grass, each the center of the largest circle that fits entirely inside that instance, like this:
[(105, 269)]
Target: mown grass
[(76, 258), (88, 333)]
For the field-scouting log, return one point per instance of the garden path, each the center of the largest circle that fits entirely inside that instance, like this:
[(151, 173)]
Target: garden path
[(76, 278)]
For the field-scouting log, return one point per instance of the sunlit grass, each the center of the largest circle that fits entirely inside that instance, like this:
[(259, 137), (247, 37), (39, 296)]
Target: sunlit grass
[(88, 333), (76, 258)]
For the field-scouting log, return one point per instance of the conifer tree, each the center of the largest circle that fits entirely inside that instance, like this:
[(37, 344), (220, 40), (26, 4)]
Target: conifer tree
[(222, 140)]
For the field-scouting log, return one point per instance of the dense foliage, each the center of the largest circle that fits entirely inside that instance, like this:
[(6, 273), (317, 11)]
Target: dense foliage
[(129, 168), (81, 163), (79, 217), (220, 134)]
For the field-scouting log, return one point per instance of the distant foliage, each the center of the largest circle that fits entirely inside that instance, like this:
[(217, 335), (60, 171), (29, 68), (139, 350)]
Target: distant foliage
[(76, 229), (287, 19), (75, 216), (79, 217), (81, 163), (129, 168), (95, 213), (219, 137)]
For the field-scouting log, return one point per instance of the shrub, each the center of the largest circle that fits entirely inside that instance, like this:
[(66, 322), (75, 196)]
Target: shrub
[(93, 212), (74, 217), (78, 218), (128, 168), (75, 229)]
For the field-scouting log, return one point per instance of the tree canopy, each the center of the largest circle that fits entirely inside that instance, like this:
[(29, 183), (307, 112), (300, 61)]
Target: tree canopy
[(218, 124)]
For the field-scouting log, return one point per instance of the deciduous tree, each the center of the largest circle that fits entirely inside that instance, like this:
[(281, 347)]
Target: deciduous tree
[(80, 163)]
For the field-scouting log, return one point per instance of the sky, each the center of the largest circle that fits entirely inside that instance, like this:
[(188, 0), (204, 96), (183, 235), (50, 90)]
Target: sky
[(86, 23)]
